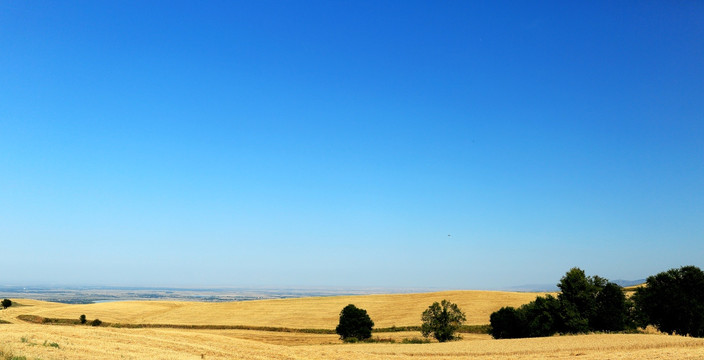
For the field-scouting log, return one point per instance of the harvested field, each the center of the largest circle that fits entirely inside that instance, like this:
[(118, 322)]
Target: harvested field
[(47, 342), (315, 313), (76, 342)]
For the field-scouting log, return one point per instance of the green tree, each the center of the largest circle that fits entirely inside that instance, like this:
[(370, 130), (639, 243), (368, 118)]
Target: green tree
[(442, 320), (96, 322), (354, 323), (82, 318), (542, 316), (673, 301), (611, 309), (578, 300), (585, 304), (6, 303), (508, 323)]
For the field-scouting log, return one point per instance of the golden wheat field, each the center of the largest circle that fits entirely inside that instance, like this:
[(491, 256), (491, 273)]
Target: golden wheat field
[(313, 312), (34, 341)]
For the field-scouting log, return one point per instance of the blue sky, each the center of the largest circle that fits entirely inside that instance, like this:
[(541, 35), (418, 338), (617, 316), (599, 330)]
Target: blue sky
[(339, 143)]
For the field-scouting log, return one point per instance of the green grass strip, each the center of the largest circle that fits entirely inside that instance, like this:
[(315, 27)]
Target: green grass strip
[(467, 329), (57, 321)]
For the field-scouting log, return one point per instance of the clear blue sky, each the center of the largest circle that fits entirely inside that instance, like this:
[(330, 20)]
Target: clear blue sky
[(339, 143)]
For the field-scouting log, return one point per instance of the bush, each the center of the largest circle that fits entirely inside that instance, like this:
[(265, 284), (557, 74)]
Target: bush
[(378, 340), (82, 319), (6, 303), (354, 323), (673, 301), (442, 320), (415, 341), (96, 322)]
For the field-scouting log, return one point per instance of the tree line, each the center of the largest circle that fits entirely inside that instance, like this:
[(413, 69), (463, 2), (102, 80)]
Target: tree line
[(672, 301)]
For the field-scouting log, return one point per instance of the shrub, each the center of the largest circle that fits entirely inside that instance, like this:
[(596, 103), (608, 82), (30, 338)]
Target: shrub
[(415, 341), (442, 320), (6, 303), (377, 339), (673, 301), (96, 322), (82, 319), (354, 323)]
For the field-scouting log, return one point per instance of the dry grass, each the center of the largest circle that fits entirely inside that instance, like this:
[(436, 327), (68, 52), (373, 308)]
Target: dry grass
[(102, 343), (79, 342), (633, 287), (615, 346), (317, 313)]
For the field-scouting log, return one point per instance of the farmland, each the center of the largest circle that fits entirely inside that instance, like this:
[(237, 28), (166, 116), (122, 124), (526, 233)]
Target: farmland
[(86, 342), (311, 312)]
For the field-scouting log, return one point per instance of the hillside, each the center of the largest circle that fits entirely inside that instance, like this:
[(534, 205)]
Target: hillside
[(46, 342), (314, 312), (634, 287)]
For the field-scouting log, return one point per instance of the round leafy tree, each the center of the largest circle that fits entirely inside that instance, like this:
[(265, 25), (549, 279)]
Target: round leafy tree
[(442, 320), (6, 303), (578, 299), (673, 301), (354, 323)]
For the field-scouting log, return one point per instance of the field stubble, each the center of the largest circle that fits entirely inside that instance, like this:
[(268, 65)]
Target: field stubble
[(86, 342), (81, 342), (317, 313)]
